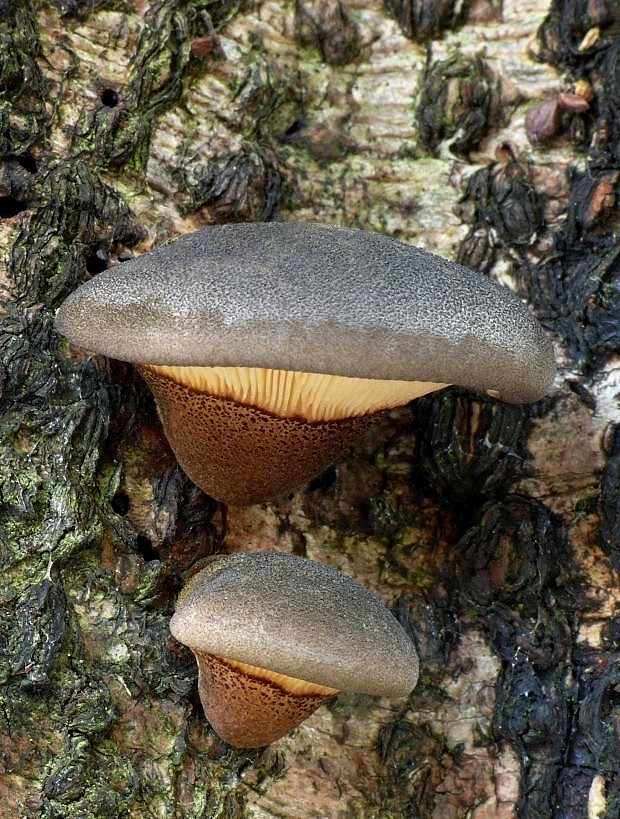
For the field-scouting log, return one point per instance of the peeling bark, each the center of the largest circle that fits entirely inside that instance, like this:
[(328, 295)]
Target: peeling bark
[(492, 531)]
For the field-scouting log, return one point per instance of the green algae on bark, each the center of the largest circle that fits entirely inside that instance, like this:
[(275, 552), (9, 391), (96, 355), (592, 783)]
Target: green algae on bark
[(117, 131), (24, 115)]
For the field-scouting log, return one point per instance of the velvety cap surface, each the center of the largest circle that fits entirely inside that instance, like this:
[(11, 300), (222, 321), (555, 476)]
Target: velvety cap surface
[(298, 618), (304, 297)]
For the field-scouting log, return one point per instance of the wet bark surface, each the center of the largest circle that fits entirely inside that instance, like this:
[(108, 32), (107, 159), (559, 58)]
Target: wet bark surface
[(492, 531)]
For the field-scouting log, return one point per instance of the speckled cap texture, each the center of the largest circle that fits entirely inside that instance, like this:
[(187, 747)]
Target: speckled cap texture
[(299, 618), (310, 298)]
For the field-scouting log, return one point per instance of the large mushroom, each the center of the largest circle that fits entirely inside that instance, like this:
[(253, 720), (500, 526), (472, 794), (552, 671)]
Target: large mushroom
[(270, 347), (275, 636)]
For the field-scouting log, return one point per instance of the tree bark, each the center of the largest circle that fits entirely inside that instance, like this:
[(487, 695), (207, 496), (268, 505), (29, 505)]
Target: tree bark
[(492, 530)]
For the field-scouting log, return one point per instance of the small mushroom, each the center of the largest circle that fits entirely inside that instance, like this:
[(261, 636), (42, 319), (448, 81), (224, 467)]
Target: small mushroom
[(275, 636), (271, 347)]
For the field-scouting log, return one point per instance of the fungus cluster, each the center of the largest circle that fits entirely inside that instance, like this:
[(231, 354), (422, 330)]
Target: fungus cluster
[(271, 347), (275, 636)]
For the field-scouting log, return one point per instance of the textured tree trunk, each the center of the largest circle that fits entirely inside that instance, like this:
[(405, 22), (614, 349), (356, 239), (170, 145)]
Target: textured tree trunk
[(492, 530)]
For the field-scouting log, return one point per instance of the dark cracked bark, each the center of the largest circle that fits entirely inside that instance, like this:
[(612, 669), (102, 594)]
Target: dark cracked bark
[(492, 530)]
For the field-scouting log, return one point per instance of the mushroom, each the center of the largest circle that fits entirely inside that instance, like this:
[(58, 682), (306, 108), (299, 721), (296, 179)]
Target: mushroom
[(271, 347), (275, 636)]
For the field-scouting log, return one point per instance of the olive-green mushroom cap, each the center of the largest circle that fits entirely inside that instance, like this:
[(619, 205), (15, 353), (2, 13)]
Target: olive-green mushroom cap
[(299, 618), (309, 298)]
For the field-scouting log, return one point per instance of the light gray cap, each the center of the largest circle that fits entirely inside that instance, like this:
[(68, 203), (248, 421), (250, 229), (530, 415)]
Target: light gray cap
[(299, 618), (311, 298)]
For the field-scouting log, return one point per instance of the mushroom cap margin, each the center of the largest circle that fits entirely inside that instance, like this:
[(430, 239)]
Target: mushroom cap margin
[(311, 298), (299, 618)]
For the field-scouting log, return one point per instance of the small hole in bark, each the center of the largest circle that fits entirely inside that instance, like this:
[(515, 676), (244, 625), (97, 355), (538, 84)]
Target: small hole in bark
[(324, 481), (109, 98), (27, 162), (97, 262), (145, 547), (120, 503), (294, 130), (9, 206)]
